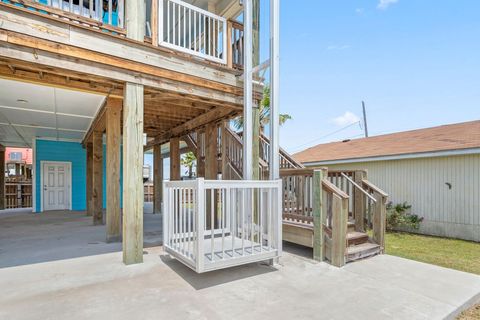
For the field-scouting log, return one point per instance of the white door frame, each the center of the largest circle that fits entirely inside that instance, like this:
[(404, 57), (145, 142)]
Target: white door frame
[(69, 179)]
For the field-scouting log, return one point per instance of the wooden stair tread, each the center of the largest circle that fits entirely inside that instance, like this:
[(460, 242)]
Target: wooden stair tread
[(356, 235), (362, 251)]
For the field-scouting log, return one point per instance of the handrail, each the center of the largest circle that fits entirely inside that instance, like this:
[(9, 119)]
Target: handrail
[(189, 29), (374, 188), (359, 188), (334, 189)]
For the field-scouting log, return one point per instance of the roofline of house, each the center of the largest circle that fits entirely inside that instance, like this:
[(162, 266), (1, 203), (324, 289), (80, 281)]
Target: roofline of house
[(416, 155)]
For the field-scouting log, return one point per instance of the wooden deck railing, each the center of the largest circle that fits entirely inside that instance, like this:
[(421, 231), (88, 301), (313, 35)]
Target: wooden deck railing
[(105, 15), (331, 207), (173, 24)]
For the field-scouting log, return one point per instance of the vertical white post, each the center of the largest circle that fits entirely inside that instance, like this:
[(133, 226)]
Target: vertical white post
[(274, 88), (248, 93), (200, 263), (161, 20)]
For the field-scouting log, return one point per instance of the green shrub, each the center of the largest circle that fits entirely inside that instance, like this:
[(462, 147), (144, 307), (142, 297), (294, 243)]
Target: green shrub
[(399, 217)]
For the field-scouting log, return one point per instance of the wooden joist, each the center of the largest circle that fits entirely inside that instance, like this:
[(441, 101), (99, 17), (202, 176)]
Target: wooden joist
[(216, 114)]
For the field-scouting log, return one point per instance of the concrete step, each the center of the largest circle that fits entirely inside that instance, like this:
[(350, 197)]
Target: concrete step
[(356, 238), (362, 251)]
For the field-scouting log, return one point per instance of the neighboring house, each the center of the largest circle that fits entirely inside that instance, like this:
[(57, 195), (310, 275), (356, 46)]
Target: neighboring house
[(436, 170)]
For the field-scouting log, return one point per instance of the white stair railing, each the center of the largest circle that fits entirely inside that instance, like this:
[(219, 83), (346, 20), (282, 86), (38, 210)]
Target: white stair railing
[(215, 224), (192, 30)]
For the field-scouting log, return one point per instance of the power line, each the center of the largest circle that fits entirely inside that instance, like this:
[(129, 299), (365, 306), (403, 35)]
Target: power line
[(325, 136)]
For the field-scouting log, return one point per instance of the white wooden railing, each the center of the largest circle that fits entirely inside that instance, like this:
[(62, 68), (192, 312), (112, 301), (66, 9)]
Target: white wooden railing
[(110, 12), (214, 224), (192, 30)]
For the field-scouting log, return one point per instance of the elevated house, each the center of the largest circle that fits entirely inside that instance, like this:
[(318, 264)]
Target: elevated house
[(91, 85)]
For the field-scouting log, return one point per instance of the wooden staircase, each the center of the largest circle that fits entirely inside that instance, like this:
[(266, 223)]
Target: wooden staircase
[(345, 197)]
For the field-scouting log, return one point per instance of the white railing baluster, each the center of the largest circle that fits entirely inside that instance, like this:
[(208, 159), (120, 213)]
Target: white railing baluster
[(243, 209), (110, 11)]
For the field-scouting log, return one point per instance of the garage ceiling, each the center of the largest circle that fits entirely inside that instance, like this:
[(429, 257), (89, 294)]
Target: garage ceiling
[(30, 111)]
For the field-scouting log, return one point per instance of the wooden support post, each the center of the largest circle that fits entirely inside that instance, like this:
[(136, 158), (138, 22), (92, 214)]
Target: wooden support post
[(133, 146), (89, 191), (157, 178), (224, 151), (97, 178), (154, 19), (339, 230), (359, 202), (133, 173), (379, 220), (2, 177), (318, 218), (211, 165), (211, 161), (113, 217), (200, 154), (229, 45), (175, 159)]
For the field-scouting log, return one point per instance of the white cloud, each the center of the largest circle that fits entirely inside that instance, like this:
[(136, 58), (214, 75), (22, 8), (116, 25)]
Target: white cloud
[(336, 47), (360, 11), (384, 4), (346, 119)]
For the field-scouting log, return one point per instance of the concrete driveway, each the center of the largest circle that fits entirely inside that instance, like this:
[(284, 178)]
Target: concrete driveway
[(98, 286)]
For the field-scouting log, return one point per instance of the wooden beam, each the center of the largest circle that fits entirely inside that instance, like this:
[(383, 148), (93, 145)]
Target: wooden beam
[(57, 81), (133, 174), (216, 114), (65, 63), (97, 178), (98, 124), (113, 123), (379, 220), (175, 159), (89, 191), (157, 179), (114, 61)]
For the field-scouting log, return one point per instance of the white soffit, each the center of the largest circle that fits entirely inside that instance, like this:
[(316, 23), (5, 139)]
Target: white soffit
[(30, 111)]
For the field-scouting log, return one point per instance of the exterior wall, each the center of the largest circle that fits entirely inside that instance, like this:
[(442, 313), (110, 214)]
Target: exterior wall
[(73, 152), (46, 150), (26, 154), (447, 212)]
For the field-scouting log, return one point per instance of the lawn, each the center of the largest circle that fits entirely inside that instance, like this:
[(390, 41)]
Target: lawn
[(450, 253)]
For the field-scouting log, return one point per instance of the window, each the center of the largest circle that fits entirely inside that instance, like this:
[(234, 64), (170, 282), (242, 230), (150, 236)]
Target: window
[(16, 156)]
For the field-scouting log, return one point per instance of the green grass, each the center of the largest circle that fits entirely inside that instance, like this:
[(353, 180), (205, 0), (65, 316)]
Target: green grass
[(450, 253)]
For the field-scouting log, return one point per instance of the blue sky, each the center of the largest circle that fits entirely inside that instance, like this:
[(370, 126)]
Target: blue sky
[(414, 62)]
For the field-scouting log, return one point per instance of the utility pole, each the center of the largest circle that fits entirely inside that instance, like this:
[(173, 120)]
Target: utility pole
[(365, 119)]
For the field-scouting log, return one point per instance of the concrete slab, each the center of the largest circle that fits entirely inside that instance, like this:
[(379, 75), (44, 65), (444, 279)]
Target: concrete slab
[(99, 286)]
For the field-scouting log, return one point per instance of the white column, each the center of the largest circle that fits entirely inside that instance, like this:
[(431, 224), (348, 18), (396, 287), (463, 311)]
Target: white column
[(247, 93), (274, 165)]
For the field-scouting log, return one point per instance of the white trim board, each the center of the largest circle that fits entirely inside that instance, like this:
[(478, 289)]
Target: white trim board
[(69, 163), (397, 157), (34, 173)]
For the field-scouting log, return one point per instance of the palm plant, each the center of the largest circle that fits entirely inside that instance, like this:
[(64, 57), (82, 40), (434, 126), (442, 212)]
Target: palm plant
[(188, 160), (264, 113)]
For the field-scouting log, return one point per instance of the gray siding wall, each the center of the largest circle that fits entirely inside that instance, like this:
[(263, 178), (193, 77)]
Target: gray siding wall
[(423, 182)]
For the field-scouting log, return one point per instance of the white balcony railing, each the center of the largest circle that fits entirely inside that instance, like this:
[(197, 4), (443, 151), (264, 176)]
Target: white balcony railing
[(109, 12), (210, 225), (192, 30)]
